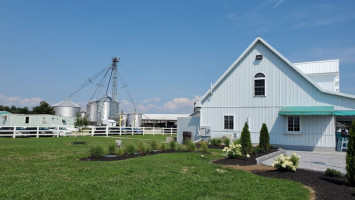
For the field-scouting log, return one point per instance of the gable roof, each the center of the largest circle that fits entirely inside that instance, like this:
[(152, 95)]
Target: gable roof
[(239, 59)]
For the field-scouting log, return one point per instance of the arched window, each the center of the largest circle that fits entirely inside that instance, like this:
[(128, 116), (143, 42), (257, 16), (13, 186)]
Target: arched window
[(259, 84)]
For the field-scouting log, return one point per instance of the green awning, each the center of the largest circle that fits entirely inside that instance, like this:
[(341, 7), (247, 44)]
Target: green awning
[(307, 110), (314, 110), (344, 112)]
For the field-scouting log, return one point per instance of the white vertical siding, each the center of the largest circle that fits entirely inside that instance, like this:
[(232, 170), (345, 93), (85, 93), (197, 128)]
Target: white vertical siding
[(284, 87)]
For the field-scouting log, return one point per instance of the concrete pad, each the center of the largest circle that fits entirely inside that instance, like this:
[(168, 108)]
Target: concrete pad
[(317, 161)]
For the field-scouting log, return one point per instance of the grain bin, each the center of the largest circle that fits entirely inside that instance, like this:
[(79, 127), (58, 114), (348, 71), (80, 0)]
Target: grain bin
[(66, 108), (134, 119)]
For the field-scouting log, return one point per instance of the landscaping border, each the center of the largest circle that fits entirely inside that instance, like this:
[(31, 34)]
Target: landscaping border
[(261, 159)]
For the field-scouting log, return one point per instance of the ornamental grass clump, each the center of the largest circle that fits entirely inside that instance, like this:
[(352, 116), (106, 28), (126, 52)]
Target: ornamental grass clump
[(162, 147), (130, 149), (204, 146), (172, 145), (286, 163), (97, 151), (154, 145), (191, 146), (226, 141), (120, 152), (179, 147), (216, 142), (112, 148), (235, 151), (142, 148), (333, 173)]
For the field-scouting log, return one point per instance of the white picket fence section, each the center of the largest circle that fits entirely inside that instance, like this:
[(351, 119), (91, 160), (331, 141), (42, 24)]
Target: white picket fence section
[(45, 131)]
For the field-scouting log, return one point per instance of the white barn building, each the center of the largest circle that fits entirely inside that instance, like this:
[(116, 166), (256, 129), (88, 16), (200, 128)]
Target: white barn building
[(299, 102)]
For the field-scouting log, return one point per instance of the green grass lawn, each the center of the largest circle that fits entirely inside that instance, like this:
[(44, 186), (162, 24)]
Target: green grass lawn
[(49, 168)]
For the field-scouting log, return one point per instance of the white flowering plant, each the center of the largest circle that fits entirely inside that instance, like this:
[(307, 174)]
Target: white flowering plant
[(286, 163), (234, 151)]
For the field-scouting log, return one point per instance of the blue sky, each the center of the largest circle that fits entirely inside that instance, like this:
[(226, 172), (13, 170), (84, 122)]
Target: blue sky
[(170, 50)]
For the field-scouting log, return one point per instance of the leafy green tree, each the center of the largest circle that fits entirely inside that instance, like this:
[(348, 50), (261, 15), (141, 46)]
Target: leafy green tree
[(350, 156), (245, 140), (264, 139), (43, 108), (80, 122)]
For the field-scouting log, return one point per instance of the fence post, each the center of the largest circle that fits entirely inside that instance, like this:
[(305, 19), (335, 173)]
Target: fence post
[(57, 130), (171, 131), (37, 133), (120, 130), (14, 135), (92, 130), (132, 130), (153, 130), (143, 130), (106, 131)]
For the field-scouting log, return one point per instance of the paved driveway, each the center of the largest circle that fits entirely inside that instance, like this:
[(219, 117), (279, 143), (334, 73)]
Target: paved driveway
[(317, 161)]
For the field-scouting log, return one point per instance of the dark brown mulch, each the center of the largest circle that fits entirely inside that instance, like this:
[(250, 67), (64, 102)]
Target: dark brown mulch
[(243, 161), (135, 155), (325, 187), (79, 142)]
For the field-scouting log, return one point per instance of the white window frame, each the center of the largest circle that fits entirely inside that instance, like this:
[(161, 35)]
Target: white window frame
[(233, 117), (300, 125), (259, 78)]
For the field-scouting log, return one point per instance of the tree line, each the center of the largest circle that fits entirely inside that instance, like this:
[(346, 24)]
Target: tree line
[(42, 108)]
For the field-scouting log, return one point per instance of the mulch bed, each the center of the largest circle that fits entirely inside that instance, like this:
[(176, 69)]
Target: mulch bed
[(125, 157), (243, 161), (325, 187), (79, 142)]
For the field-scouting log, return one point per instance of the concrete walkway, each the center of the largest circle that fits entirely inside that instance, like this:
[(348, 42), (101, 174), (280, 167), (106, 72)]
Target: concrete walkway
[(317, 161)]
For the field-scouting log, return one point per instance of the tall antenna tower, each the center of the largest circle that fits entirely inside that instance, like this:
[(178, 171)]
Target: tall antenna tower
[(114, 76)]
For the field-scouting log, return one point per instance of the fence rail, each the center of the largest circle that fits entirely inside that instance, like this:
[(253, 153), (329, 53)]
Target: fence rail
[(45, 131)]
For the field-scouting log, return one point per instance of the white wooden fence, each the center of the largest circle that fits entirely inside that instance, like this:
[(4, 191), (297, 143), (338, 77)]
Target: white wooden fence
[(42, 131)]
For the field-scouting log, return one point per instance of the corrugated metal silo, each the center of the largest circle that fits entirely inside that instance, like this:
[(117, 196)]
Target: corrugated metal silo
[(103, 108), (134, 119), (66, 108), (91, 111)]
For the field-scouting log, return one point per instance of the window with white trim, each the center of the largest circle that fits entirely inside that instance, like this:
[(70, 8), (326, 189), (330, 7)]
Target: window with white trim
[(259, 84), (293, 124), (228, 122), (27, 120)]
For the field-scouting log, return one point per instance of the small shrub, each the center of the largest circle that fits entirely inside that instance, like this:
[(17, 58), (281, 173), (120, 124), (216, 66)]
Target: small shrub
[(130, 149), (154, 145), (226, 141), (120, 152), (333, 173), (172, 145), (264, 139), (235, 151), (216, 141), (350, 156), (286, 163), (204, 147), (258, 149), (179, 147), (142, 148), (191, 146), (96, 151), (245, 140), (111, 148), (162, 147), (237, 141)]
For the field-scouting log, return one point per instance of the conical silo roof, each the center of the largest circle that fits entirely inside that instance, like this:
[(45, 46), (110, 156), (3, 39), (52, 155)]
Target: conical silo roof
[(66, 103)]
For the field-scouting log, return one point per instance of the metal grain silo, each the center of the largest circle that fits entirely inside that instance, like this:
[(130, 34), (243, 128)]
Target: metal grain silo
[(66, 108), (134, 119), (91, 111), (103, 108), (122, 119)]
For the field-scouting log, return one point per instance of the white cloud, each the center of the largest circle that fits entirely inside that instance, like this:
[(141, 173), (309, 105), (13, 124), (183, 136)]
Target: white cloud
[(152, 100), (19, 102)]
